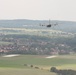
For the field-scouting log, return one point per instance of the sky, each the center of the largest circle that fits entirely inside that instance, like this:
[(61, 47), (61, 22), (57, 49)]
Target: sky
[(38, 9)]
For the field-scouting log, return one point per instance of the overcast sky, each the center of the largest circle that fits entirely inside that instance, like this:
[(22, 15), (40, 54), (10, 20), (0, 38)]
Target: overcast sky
[(38, 9)]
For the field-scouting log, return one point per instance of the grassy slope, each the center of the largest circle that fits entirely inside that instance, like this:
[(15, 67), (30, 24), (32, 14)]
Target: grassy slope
[(15, 71), (15, 65), (41, 61)]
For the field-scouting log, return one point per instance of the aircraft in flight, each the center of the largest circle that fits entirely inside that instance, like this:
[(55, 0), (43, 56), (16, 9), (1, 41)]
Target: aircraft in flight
[(49, 25)]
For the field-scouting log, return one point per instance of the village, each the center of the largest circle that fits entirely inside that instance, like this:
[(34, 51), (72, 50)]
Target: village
[(30, 46)]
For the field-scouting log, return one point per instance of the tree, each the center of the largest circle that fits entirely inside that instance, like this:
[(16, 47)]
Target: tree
[(53, 69)]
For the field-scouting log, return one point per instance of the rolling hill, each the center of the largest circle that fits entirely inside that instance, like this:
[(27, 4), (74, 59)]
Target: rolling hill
[(67, 26)]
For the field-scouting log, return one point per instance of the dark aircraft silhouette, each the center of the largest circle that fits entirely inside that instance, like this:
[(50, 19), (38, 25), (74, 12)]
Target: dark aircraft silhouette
[(49, 25), (45, 25)]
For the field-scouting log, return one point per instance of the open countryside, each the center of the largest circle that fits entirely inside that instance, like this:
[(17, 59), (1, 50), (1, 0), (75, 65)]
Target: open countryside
[(22, 64), (35, 51)]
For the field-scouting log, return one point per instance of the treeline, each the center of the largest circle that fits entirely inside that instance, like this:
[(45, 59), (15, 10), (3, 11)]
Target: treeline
[(63, 72)]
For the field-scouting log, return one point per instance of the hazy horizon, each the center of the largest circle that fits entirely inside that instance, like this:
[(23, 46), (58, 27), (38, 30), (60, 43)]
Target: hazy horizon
[(63, 10)]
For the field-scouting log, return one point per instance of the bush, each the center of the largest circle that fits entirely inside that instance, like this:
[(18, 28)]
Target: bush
[(53, 69)]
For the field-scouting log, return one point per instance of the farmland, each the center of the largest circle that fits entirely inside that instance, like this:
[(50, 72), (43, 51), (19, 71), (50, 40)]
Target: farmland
[(15, 65), (37, 32), (15, 71), (34, 46)]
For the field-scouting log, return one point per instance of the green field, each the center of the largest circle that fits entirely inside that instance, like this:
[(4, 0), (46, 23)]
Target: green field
[(15, 71), (38, 32), (15, 65), (5, 43)]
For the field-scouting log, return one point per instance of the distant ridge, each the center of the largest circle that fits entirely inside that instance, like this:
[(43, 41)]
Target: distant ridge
[(67, 26)]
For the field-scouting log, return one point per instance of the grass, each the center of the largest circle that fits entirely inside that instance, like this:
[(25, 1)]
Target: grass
[(37, 60), (15, 65), (38, 32), (15, 71), (5, 43)]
